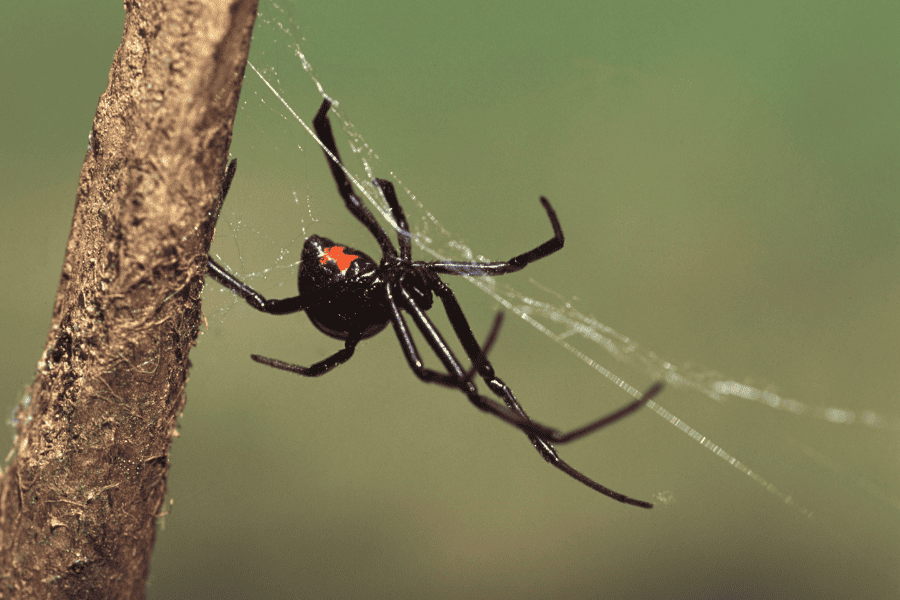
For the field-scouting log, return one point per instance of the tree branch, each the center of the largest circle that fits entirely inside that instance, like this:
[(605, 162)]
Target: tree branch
[(78, 504)]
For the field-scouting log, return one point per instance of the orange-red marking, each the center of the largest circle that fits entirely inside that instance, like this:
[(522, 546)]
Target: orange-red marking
[(336, 254)]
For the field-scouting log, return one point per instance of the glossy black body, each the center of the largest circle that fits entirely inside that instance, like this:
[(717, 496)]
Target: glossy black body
[(355, 302), (350, 297)]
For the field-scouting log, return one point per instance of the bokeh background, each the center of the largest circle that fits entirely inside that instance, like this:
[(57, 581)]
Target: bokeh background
[(727, 178)]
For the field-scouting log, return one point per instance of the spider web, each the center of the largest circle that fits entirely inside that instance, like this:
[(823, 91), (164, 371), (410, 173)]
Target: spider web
[(274, 84)]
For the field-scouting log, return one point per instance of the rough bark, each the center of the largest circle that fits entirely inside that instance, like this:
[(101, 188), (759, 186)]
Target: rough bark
[(80, 500)]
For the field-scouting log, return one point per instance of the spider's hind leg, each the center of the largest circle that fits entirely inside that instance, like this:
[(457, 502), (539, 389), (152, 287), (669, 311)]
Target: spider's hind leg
[(319, 368)]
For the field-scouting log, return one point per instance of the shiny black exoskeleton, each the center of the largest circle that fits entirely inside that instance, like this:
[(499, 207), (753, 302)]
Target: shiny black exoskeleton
[(350, 297), (353, 279)]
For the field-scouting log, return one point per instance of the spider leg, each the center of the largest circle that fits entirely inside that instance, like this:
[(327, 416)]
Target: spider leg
[(513, 413), (516, 263), (323, 130), (282, 306), (319, 368), (403, 236), (481, 365), (457, 378), (542, 443), (220, 274), (223, 190)]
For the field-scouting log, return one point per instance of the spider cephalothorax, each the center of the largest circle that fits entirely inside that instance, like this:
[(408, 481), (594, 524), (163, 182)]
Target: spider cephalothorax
[(349, 296)]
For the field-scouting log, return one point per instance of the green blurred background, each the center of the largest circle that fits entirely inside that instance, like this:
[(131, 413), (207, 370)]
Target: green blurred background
[(727, 178)]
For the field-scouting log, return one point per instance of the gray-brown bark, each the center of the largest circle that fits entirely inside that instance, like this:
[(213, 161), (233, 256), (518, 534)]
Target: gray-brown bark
[(80, 500)]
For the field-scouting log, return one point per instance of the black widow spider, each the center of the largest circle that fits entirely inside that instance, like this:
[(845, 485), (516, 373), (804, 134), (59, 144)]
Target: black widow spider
[(350, 297)]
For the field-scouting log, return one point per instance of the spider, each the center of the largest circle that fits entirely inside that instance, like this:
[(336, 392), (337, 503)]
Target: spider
[(350, 297)]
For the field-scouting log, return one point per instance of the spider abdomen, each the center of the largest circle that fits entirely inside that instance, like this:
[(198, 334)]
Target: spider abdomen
[(346, 278), (353, 310)]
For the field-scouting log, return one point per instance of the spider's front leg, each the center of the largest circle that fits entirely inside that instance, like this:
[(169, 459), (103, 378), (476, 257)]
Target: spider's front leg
[(516, 263), (326, 137)]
